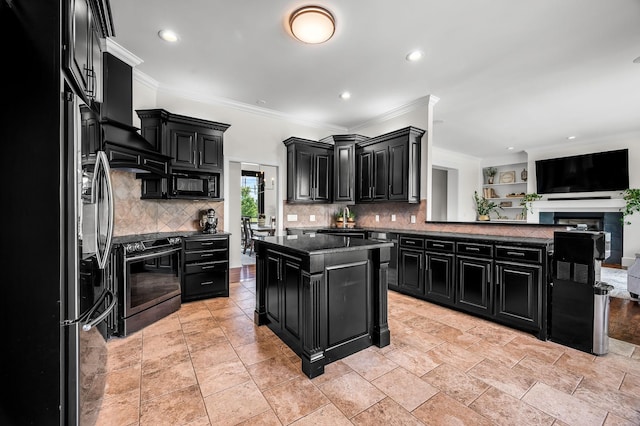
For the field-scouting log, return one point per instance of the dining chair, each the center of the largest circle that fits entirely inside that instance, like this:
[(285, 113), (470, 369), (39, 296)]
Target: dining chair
[(247, 240)]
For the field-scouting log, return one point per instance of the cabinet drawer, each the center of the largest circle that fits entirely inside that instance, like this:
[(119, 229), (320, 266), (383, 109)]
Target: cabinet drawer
[(195, 268), (519, 254), (474, 249), (412, 242), (215, 243), (438, 245), (206, 283), (206, 255)]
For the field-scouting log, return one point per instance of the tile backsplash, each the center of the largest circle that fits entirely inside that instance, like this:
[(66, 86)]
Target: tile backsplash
[(136, 216)]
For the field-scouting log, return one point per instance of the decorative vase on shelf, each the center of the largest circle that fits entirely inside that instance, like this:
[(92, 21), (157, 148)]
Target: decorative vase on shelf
[(490, 180), (523, 175), (483, 217)]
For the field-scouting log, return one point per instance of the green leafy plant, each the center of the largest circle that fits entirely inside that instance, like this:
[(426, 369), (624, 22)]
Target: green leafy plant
[(632, 198), (248, 205), (526, 201), (491, 171), (484, 207)]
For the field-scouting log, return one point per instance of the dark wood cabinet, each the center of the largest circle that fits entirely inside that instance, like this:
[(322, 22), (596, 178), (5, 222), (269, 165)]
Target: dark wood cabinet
[(517, 293), (309, 171), (192, 143), (388, 167), (86, 23), (411, 267), (344, 166), (205, 267), (474, 292), (439, 273), (283, 292)]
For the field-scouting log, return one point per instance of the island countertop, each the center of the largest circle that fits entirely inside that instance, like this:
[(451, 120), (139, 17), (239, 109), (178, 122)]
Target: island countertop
[(312, 244)]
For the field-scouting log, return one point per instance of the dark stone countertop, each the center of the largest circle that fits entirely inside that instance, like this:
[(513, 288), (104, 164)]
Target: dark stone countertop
[(443, 235), (310, 244), (124, 239)]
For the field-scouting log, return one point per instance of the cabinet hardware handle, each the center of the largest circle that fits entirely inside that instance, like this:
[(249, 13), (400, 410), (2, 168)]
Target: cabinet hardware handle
[(438, 245), (206, 283), (206, 243), (208, 267), (389, 193), (194, 156), (472, 249), (200, 157), (515, 253), (206, 254), (410, 242)]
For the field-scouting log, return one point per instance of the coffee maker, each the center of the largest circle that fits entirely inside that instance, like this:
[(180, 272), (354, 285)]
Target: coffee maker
[(210, 222)]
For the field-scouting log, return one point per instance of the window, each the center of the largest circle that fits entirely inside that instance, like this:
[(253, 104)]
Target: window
[(252, 192)]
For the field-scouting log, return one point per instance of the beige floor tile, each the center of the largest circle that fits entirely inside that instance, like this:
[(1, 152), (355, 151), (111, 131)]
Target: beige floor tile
[(621, 348), (228, 312), (295, 399), (455, 355), (418, 339), (567, 408), (176, 408), (583, 364), (493, 333), (534, 348), (331, 371), (551, 375), (503, 354), (268, 418), (174, 355), (631, 384), (123, 409), (457, 336), (384, 413), (162, 345), (273, 371), (619, 362), (213, 354), (327, 415), (221, 376), (507, 380), (444, 410), (405, 388), (369, 363), (258, 351), (613, 420), (161, 382), (505, 410), (414, 360), (455, 383), (193, 311), (236, 404), (165, 325), (351, 393), (208, 336), (620, 403)]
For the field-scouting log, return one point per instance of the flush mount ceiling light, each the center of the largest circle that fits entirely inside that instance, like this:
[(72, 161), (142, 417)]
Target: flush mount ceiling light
[(312, 24), (414, 56), (345, 95), (571, 138), (168, 36)]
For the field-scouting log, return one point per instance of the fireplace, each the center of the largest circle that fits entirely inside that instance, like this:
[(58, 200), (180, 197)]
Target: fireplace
[(610, 222)]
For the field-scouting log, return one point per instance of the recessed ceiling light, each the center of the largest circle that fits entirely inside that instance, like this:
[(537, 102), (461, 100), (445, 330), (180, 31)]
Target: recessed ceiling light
[(510, 148), (345, 95), (312, 24), (571, 138), (414, 56), (168, 36)]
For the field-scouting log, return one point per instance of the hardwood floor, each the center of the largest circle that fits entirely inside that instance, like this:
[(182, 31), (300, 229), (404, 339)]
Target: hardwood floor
[(208, 364), (624, 320)]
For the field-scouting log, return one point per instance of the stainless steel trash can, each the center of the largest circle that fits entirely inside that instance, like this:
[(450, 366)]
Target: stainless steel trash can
[(601, 317)]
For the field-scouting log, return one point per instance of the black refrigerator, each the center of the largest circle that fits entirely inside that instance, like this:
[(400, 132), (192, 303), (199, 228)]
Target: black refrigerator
[(53, 303)]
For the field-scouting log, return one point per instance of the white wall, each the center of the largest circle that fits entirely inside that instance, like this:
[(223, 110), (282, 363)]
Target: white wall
[(631, 233), (439, 194)]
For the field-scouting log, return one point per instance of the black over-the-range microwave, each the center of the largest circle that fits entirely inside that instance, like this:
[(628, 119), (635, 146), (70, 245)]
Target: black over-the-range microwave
[(194, 186)]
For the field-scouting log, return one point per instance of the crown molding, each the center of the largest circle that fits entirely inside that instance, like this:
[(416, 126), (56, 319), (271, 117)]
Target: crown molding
[(121, 53), (428, 100)]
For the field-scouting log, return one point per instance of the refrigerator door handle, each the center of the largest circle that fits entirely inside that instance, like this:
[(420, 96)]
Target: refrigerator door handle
[(86, 317), (103, 162)]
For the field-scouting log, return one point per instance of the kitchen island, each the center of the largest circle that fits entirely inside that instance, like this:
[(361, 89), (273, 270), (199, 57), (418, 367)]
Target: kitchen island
[(325, 296)]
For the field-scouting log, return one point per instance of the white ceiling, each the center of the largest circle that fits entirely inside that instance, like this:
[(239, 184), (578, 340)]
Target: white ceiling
[(521, 73)]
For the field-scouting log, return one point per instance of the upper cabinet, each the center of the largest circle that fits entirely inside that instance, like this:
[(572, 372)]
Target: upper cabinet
[(344, 166), (194, 145), (309, 171), (388, 167), (506, 185), (86, 22)]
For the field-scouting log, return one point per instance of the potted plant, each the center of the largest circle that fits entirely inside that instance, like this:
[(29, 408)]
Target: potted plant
[(339, 219), (632, 198), (351, 220), (491, 173), (484, 207), (525, 202)]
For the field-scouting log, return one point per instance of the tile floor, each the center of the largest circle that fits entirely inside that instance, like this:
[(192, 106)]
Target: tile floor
[(208, 364)]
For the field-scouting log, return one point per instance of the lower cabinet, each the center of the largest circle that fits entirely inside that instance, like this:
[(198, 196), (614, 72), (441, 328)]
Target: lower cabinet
[(501, 282), (284, 292), (474, 285), (518, 289), (206, 267)]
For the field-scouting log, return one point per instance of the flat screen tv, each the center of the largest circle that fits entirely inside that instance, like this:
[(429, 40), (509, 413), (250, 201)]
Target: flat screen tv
[(601, 171)]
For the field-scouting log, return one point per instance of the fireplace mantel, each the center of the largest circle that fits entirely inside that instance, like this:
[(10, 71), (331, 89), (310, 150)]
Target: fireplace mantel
[(594, 205)]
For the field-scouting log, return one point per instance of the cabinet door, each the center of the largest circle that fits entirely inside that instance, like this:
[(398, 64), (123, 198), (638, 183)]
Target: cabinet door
[(322, 178), (184, 147), (344, 175), (365, 172), (381, 173), (292, 303), (411, 276), (272, 294), (210, 157), (439, 277), (474, 284), (304, 176), (517, 288), (398, 170)]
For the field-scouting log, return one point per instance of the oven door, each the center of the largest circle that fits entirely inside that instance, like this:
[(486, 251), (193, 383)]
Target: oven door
[(150, 278)]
